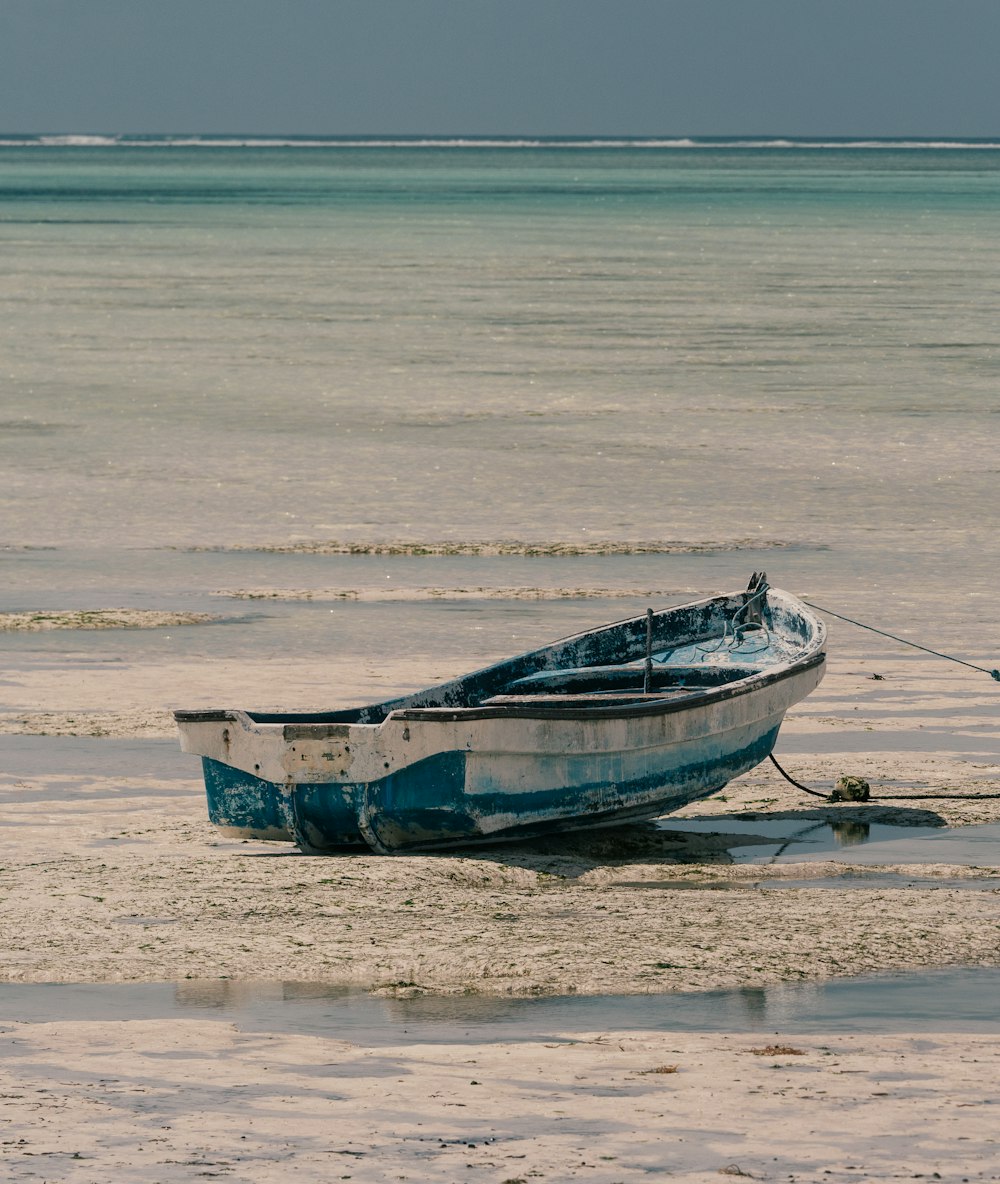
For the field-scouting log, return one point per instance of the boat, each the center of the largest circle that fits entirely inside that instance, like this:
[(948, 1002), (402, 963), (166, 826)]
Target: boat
[(621, 723)]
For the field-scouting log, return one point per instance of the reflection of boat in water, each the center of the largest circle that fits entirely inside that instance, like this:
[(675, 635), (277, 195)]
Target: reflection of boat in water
[(239, 995), (850, 834), (628, 721)]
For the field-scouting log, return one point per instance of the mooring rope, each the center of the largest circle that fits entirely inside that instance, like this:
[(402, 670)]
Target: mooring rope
[(995, 674), (971, 797), (798, 784), (893, 797)]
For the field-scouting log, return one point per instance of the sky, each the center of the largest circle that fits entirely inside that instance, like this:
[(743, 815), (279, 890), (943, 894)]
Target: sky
[(502, 67)]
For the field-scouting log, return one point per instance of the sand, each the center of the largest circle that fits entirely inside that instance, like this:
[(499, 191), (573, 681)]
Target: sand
[(187, 1100), (122, 878), (86, 856), (119, 877), (129, 882)]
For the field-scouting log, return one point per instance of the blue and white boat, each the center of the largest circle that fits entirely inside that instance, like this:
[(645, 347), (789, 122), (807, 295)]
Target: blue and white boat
[(625, 722)]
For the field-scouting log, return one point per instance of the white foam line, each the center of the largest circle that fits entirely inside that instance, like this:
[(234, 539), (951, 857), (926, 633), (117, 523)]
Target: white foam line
[(83, 140)]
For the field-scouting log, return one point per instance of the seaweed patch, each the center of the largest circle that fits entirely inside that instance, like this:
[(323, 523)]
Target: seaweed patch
[(104, 618)]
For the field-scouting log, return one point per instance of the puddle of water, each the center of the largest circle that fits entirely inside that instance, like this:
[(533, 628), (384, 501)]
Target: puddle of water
[(693, 885), (957, 1000), (789, 840), (73, 756), (886, 880), (874, 880)]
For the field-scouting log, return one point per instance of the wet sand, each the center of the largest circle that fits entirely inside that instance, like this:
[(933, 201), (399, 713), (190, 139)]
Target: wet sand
[(123, 879), (117, 876)]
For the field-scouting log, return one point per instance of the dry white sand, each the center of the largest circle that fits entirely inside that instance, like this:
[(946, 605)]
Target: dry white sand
[(188, 1099)]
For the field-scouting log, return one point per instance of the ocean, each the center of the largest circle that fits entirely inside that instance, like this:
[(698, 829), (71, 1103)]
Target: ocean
[(421, 403)]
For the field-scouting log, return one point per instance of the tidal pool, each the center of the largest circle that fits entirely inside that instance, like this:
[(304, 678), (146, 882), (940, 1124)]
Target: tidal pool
[(791, 840), (953, 1000)]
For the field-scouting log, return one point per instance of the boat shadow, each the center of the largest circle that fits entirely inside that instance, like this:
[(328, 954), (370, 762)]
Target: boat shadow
[(574, 854)]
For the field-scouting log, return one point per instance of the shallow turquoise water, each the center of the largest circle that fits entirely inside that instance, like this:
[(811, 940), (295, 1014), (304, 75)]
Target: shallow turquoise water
[(737, 345), (240, 345)]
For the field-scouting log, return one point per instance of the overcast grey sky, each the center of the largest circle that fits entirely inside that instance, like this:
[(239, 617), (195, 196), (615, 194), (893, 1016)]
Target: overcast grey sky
[(556, 67)]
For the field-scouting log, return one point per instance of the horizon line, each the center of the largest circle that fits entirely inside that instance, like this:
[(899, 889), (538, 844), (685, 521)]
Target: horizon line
[(500, 139)]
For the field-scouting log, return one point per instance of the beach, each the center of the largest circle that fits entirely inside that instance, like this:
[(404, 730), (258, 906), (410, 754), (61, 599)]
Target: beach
[(118, 877), (121, 876), (194, 1100), (301, 427)]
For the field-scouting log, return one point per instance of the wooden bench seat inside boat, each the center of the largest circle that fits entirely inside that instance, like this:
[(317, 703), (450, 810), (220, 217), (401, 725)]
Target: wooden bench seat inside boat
[(589, 699), (666, 679)]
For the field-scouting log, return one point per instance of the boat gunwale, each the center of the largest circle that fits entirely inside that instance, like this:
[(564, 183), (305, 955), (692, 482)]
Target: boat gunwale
[(295, 727), (668, 705), (697, 697)]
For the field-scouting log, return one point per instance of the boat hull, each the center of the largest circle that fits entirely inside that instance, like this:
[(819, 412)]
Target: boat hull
[(461, 799), (498, 779)]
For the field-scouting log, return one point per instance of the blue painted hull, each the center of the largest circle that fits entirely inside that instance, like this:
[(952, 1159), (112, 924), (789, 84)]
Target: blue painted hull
[(244, 805), (427, 805), (431, 811), (541, 744)]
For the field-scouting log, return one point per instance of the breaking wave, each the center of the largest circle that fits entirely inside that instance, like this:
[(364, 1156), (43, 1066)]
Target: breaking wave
[(78, 141), (93, 140)]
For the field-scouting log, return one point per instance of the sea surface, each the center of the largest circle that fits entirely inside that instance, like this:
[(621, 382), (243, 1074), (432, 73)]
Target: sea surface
[(236, 368)]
